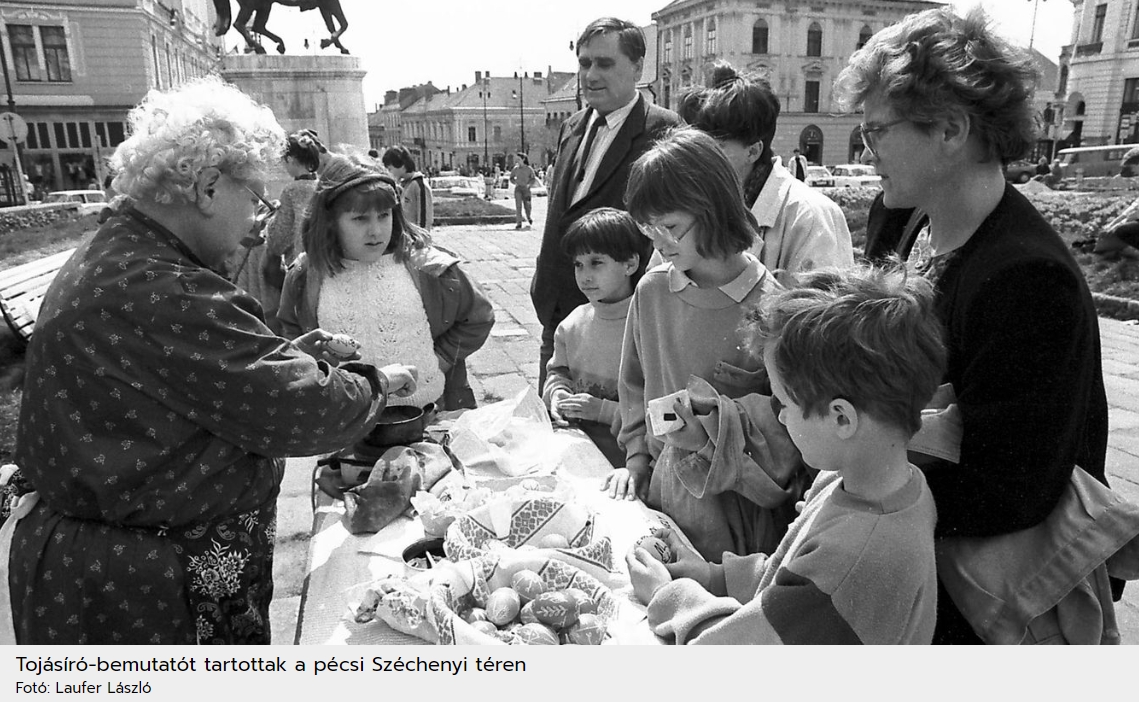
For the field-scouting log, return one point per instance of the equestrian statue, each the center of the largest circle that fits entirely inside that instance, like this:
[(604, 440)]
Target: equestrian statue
[(259, 10)]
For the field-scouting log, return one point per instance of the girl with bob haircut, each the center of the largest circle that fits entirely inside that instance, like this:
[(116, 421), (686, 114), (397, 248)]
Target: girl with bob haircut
[(945, 103), (685, 320), (799, 227), (369, 273), (156, 481)]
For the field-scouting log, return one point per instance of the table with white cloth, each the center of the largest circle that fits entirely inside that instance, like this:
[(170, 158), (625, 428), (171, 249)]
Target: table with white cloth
[(342, 565)]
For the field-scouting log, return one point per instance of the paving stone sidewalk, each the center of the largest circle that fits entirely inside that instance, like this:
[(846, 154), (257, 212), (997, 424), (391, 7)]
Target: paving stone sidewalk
[(502, 259)]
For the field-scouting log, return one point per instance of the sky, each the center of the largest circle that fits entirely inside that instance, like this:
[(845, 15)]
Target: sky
[(446, 41)]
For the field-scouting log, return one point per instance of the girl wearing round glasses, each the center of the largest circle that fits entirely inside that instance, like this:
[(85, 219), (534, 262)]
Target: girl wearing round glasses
[(946, 102)]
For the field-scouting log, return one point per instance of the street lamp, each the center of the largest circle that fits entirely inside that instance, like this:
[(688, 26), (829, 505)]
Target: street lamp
[(485, 90), (1032, 33), (521, 113), (577, 72)]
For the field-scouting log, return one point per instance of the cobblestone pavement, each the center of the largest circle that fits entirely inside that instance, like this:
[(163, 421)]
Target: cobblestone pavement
[(502, 259)]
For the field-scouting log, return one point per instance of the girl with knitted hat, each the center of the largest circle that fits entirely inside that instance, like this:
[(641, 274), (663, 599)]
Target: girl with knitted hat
[(369, 273)]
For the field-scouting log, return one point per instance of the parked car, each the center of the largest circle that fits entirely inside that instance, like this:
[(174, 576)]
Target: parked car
[(855, 175), (819, 177), (1020, 171), (504, 188), (456, 186), (89, 201)]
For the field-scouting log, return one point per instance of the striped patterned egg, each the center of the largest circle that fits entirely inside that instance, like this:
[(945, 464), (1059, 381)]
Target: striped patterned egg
[(584, 603), (555, 609), (536, 634), (526, 614), (502, 606), (527, 584)]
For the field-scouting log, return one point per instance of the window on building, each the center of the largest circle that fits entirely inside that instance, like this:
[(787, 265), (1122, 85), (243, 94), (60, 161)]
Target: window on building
[(72, 135), (472, 135), (688, 42), (864, 36), (157, 66), (23, 43), (759, 37), (668, 48), (811, 99), (498, 133), (55, 54), (1131, 90), (814, 40), (36, 130), (60, 135), (1063, 87), (710, 41), (1097, 23)]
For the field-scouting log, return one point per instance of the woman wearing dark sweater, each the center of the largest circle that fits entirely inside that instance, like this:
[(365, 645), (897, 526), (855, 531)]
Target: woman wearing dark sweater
[(946, 103)]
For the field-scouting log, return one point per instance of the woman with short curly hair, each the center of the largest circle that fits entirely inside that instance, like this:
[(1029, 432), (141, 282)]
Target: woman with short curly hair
[(159, 407), (946, 102)]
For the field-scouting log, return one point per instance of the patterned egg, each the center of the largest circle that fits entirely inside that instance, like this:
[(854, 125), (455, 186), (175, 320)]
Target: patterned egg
[(536, 634), (475, 614), (527, 584), (485, 627), (583, 602), (341, 345), (502, 606), (553, 541), (657, 548), (555, 609), (530, 484), (588, 631), (526, 614)]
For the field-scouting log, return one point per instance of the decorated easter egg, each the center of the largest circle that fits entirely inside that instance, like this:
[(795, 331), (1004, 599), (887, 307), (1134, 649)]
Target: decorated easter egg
[(475, 614), (581, 600), (342, 345), (527, 584), (526, 614), (555, 609), (657, 548), (536, 634), (587, 631), (485, 627), (530, 484), (553, 541), (502, 606)]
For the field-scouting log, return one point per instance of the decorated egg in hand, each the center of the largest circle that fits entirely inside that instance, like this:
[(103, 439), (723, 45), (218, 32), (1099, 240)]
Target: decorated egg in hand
[(502, 606), (527, 584), (657, 548), (341, 345)]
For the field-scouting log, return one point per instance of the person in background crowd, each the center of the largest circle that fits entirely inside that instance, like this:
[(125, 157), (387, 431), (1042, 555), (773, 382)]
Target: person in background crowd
[(800, 228), (798, 165), (523, 176), (596, 147), (416, 198), (946, 103), (156, 481)]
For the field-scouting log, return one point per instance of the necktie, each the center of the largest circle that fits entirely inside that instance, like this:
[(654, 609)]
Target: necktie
[(584, 162)]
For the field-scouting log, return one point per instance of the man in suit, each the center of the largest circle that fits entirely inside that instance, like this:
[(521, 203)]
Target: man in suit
[(798, 165), (596, 147)]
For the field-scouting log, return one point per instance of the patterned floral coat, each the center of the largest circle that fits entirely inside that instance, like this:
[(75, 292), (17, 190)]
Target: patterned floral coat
[(156, 415)]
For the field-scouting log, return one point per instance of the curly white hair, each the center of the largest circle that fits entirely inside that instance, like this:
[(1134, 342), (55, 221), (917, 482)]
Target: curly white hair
[(175, 134)]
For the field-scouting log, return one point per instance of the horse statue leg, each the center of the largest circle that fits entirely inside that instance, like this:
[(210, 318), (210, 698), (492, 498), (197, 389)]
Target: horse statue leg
[(221, 7), (259, 26), (328, 10), (240, 23)]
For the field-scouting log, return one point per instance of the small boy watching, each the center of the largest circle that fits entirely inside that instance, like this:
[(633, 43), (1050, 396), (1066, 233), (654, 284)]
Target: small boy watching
[(417, 201), (853, 357), (581, 376)]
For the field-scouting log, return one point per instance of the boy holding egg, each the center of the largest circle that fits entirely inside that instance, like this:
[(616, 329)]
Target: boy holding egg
[(853, 357)]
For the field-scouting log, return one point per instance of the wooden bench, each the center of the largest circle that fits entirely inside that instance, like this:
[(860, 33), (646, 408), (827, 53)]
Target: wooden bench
[(22, 291)]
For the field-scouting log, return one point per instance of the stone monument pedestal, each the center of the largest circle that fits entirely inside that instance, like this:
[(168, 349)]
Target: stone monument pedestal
[(325, 93)]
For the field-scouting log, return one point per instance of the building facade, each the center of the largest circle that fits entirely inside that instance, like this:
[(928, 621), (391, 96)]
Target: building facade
[(799, 46), (76, 67), (1097, 101)]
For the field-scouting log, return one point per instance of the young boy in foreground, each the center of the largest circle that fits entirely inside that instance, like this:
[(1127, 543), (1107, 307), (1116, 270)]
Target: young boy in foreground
[(853, 357)]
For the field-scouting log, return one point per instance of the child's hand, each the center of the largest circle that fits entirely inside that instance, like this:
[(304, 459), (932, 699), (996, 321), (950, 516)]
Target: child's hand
[(646, 573), (555, 408), (581, 406), (690, 437), (686, 562), (630, 482), (401, 379)]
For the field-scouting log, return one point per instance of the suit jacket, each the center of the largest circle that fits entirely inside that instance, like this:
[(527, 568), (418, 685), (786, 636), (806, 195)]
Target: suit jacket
[(553, 285)]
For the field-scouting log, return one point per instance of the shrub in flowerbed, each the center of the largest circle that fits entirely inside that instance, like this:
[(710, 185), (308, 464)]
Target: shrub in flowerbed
[(446, 208), (19, 218)]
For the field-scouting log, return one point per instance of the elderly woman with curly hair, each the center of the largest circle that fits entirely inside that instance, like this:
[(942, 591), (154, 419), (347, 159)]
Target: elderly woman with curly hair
[(946, 102), (159, 407)]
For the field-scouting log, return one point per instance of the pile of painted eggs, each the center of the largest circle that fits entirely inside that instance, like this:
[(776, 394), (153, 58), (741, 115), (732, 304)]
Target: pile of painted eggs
[(527, 612)]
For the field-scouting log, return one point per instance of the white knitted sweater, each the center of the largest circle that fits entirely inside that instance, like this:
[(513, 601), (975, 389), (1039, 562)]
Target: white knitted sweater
[(378, 304)]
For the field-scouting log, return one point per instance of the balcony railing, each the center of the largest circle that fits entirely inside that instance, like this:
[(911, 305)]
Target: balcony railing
[(1089, 49)]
